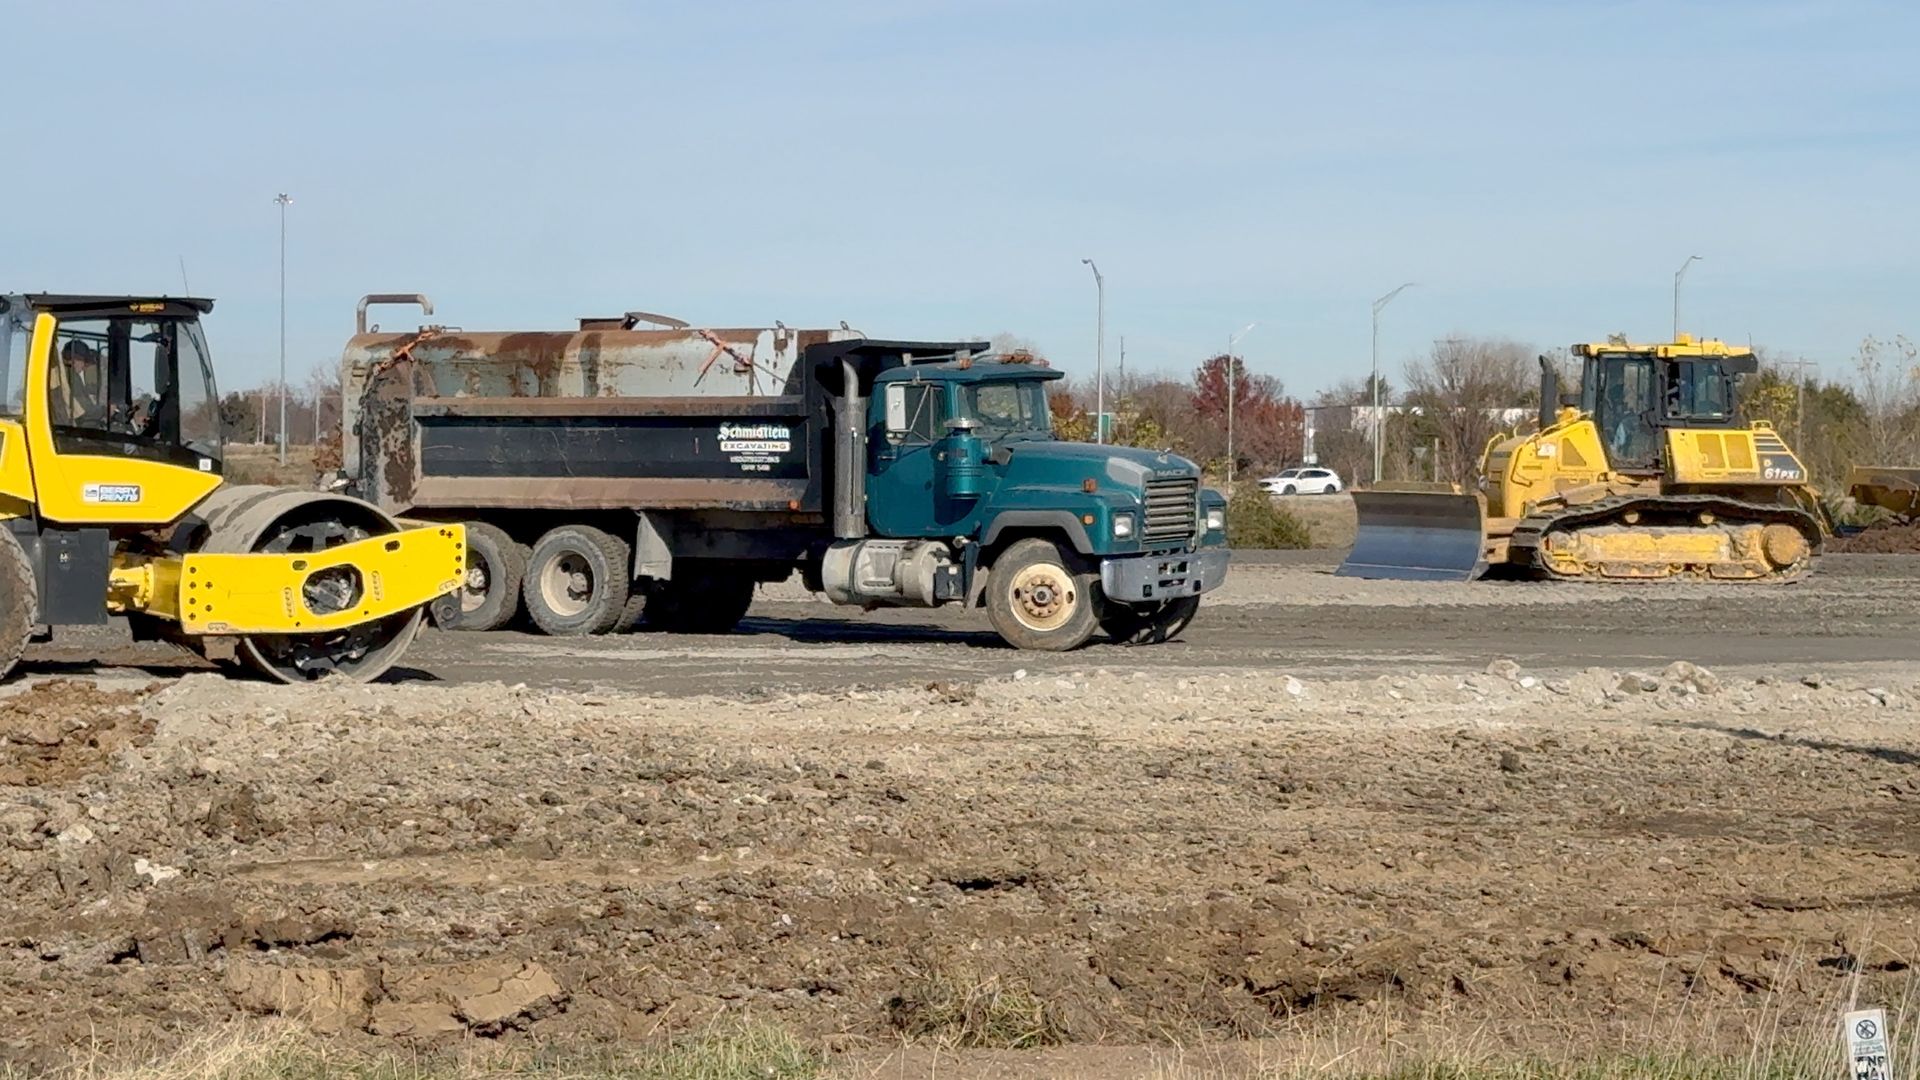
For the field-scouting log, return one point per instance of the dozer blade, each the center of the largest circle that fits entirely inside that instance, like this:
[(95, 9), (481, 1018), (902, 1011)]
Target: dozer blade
[(1893, 489), (1417, 536)]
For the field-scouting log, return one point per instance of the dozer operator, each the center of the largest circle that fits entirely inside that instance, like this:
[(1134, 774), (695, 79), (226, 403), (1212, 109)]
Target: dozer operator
[(1647, 475), (112, 504)]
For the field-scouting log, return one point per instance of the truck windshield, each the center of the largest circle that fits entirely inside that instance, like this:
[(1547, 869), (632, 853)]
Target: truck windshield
[(1008, 409)]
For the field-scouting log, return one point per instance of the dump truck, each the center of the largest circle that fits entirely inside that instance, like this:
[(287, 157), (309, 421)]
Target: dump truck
[(641, 470), (1646, 475), (114, 505)]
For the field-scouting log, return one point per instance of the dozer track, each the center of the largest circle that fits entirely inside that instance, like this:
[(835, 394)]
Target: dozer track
[(1664, 537)]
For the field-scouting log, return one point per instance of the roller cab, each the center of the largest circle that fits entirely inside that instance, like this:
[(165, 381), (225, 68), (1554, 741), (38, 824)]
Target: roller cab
[(113, 500)]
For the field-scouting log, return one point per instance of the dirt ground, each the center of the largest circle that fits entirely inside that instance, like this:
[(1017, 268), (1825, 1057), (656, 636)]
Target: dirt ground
[(1521, 805)]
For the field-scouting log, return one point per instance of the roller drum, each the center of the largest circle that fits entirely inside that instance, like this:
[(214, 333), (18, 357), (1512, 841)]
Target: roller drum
[(250, 518)]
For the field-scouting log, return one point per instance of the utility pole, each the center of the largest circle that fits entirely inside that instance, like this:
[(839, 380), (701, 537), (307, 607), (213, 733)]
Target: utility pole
[(284, 200), (1679, 276), (1099, 356), (1233, 382), (1376, 425)]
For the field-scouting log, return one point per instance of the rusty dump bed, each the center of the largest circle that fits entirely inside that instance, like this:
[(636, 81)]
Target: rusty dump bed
[(602, 418), (442, 422), (1891, 488)]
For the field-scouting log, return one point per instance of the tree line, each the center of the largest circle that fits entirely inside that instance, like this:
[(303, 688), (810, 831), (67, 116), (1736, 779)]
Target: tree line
[(1464, 392)]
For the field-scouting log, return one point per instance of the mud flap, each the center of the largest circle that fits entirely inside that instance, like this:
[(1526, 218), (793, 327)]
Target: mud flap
[(1417, 536)]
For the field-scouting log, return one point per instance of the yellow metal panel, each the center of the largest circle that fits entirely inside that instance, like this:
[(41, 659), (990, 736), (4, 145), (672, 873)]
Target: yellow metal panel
[(261, 593), (16, 473), (95, 489), (1703, 456), (1534, 467)]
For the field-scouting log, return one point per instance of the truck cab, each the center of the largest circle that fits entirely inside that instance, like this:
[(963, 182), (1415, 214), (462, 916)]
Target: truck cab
[(964, 475)]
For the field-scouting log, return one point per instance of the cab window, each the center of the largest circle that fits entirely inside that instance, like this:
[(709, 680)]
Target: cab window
[(1699, 391), (923, 411), (15, 333), (1008, 408), (142, 384)]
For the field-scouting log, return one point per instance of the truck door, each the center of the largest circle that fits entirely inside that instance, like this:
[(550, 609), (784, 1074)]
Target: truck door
[(900, 496)]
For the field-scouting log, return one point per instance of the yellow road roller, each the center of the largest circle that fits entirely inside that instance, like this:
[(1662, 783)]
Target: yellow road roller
[(113, 504)]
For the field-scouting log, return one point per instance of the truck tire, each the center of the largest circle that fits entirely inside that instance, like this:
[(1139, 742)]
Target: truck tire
[(577, 581), (1148, 624), (496, 568), (630, 616), (1040, 597), (699, 602), (19, 601)]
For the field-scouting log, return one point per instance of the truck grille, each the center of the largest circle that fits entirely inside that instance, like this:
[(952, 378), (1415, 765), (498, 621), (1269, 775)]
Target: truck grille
[(1171, 506)]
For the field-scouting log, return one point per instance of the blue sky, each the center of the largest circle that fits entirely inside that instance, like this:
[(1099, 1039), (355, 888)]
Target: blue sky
[(927, 168)]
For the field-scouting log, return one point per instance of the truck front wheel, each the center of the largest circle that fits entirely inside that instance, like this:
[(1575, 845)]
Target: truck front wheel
[(577, 582), (1040, 597)]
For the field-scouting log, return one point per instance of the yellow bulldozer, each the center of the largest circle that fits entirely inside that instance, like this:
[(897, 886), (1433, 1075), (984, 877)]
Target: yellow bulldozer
[(112, 503), (1647, 475)]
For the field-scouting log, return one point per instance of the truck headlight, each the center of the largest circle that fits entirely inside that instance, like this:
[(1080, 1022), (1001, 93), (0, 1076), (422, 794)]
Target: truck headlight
[(1216, 519), (1122, 526)]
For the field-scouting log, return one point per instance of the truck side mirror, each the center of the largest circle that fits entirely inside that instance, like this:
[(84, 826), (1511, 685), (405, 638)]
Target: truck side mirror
[(896, 408)]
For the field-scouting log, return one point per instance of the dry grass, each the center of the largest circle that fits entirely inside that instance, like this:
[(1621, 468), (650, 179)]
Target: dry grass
[(284, 1051), (246, 463), (1329, 518), (959, 1007)]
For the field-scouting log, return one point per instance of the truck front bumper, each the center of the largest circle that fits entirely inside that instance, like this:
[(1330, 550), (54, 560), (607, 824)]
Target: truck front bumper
[(1142, 579)]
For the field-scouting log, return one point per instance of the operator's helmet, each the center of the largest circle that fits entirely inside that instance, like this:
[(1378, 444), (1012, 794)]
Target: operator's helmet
[(76, 352)]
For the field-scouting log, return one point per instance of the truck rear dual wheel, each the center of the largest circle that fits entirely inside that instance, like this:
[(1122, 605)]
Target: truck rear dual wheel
[(578, 579), (1040, 597), (496, 569)]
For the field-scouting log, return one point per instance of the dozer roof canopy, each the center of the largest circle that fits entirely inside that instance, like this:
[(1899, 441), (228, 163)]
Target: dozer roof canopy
[(1736, 359)]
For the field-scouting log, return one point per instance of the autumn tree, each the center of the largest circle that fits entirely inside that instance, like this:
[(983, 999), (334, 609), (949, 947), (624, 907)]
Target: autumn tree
[(1269, 428)]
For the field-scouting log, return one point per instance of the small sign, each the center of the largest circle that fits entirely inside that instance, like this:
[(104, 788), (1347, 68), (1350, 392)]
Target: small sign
[(110, 493), (1869, 1052)]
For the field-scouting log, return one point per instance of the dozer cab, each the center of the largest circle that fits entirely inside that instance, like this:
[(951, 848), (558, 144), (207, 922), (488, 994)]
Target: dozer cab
[(1648, 476), (112, 503)]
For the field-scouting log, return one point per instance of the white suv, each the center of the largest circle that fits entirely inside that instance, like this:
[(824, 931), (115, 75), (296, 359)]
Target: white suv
[(1308, 480)]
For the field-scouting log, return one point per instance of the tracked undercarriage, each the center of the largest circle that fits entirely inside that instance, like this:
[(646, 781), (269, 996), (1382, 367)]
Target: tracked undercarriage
[(1667, 537)]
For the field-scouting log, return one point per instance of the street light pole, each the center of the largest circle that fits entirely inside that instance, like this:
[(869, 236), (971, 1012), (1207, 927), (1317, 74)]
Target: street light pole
[(1233, 380), (284, 200), (1678, 276), (1099, 356), (1378, 305)]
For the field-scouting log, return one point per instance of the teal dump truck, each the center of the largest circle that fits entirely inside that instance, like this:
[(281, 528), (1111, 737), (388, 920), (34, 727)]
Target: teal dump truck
[(641, 470)]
